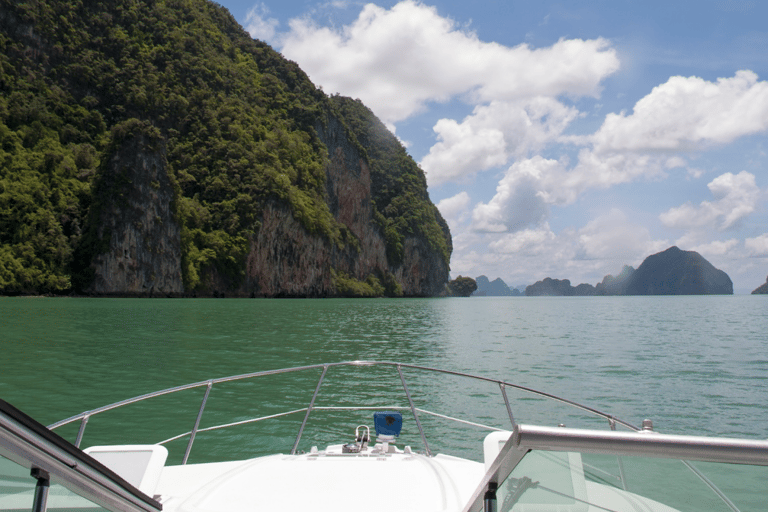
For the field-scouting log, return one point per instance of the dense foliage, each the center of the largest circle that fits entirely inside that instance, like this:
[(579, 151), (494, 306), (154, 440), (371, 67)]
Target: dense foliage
[(462, 286), (237, 118)]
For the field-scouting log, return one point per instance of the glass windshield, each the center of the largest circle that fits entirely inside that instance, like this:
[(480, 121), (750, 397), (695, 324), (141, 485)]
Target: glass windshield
[(17, 491), (567, 481)]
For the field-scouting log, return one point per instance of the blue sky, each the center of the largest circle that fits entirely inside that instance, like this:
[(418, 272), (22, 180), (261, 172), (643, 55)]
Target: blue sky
[(560, 139)]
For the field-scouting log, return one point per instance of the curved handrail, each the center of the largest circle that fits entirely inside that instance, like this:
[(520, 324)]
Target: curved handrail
[(175, 389), (88, 414)]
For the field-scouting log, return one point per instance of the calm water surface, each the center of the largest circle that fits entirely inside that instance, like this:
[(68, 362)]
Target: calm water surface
[(695, 365)]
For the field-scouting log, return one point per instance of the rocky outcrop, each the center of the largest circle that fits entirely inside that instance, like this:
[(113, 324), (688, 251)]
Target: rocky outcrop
[(136, 227), (558, 288), (763, 289), (461, 287), (495, 288), (617, 285), (584, 290), (143, 255), (678, 272), (671, 272)]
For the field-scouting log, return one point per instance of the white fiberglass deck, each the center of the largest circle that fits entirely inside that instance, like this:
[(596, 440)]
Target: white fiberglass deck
[(328, 480)]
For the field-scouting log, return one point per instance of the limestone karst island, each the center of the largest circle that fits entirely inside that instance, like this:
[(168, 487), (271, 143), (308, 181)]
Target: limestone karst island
[(155, 149)]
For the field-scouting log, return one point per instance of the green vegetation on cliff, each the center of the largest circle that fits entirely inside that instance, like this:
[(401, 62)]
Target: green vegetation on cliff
[(237, 119)]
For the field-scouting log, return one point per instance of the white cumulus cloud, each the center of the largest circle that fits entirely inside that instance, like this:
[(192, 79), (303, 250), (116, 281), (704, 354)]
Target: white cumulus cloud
[(614, 237), (397, 60), (526, 241), (259, 24), (493, 134), (454, 209), (520, 201), (688, 113), (682, 115), (757, 246), (716, 247), (735, 197)]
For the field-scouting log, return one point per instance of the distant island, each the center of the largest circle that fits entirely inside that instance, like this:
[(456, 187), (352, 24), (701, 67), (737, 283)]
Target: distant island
[(670, 272), (762, 289), (495, 288)]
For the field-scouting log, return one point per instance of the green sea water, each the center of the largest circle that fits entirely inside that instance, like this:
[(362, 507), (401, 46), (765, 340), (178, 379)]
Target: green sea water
[(687, 362), (695, 365)]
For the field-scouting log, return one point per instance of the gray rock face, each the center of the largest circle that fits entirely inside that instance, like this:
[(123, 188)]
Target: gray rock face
[(143, 256), (287, 261), (422, 272), (677, 272)]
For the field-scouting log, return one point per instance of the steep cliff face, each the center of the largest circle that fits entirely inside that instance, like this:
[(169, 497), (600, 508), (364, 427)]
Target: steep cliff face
[(416, 237), (348, 187), (422, 272), (286, 260), (141, 253)]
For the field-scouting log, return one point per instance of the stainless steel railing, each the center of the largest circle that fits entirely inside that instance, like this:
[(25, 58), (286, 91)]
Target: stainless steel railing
[(85, 416), (527, 438)]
